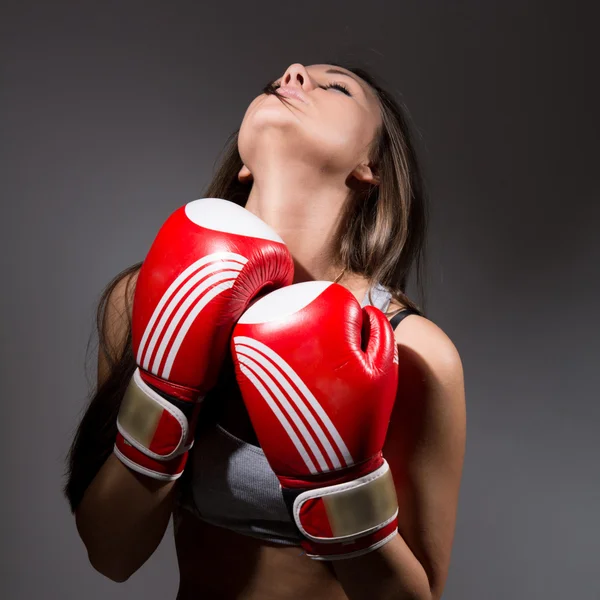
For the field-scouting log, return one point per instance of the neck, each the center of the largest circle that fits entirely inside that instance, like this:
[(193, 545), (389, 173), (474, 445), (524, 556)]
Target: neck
[(304, 212)]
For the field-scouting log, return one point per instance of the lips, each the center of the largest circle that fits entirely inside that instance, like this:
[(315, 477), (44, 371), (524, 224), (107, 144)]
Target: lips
[(291, 92)]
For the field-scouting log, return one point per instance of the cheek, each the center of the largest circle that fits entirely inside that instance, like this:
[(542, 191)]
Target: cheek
[(345, 131)]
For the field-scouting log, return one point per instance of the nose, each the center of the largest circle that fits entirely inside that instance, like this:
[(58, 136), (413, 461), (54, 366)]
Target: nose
[(296, 75)]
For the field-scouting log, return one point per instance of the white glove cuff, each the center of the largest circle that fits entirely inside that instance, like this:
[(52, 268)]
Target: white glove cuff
[(347, 511), (150, 423)]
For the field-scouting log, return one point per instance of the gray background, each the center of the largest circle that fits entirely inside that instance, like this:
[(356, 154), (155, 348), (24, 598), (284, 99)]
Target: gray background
[(113, 114)]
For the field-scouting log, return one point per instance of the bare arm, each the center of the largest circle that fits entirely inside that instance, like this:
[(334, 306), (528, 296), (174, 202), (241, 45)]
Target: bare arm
[(122, 519), (123, 515), (425, 450)]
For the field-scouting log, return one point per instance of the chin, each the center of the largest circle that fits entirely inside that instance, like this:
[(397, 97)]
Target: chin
[(271, 127), (265, 135), (272, 118)]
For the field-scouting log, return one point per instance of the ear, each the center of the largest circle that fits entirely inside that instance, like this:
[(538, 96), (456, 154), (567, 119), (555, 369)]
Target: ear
[(365, 174), (244, 176)]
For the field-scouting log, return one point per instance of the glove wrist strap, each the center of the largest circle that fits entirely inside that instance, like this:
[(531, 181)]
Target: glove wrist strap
[(155, 432), (347, 519), (131, 457)]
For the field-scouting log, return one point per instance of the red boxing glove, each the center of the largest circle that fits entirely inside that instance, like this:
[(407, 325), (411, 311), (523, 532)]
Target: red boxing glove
[(209, 260), (319, 374)]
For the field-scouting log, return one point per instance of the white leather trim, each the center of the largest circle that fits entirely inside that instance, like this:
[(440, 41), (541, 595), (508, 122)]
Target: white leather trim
[(249, 357), (308, 398), (256, 381), (245, 358), (333, 489), (143, 470), (207, 296), (222, 215), (284, 302), (165, 405), (223, 265), (172, 290), (376, 545)]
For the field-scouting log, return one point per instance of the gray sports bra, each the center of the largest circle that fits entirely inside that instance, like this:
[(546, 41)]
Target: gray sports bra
[(228, 482)]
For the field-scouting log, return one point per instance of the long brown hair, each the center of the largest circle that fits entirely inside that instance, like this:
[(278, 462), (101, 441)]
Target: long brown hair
[(381, 236)]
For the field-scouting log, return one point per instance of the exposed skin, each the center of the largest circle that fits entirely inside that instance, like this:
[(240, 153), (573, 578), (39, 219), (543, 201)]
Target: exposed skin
[(303, 159)]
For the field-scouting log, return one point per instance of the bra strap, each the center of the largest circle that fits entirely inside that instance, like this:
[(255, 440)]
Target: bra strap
[(397, 318)]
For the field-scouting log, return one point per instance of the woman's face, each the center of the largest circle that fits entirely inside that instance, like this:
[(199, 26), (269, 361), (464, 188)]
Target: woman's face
[(327, 119)]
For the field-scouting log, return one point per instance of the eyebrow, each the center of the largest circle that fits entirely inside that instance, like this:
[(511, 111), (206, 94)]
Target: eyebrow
[(344, 73)]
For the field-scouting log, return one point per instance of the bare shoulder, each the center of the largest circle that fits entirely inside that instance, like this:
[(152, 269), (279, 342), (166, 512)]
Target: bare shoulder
[(431, 388), (423, 338), (425, 444)]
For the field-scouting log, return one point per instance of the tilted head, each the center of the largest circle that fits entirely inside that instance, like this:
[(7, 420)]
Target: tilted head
[(340, 121)]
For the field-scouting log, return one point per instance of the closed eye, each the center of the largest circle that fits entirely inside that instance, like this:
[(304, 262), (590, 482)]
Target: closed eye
[(337, 86)]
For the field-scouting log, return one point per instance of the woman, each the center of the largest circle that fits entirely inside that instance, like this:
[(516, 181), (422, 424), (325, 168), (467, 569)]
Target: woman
[(324, 157)]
